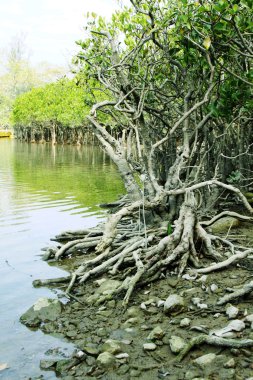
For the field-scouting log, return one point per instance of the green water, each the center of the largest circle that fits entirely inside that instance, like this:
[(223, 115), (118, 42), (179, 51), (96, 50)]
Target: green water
[(43, 191)]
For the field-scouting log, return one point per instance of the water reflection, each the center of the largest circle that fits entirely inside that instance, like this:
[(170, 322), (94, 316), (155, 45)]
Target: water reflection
[(43, 190)]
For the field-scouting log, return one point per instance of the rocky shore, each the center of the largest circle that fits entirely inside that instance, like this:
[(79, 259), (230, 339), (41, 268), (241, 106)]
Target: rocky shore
[(173, 329)]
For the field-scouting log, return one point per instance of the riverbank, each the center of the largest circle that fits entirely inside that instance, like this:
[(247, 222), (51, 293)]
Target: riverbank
[(144, 340)]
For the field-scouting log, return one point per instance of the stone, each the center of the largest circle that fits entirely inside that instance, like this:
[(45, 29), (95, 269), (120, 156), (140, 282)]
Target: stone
[(111, 304), (133, 312), (108, 286), (213, 288), (46, 364), (205, 360), (63, 364), (224, 224), (232, 311), (149, 346), (249, 318), (156, 333), (230, 363), (43, 310), (185, 322), (176, 344), (111, 346), (191, 374), (91, 349), (174, 303), (123, 369), (131, 322), (122, 355), (106, 360)]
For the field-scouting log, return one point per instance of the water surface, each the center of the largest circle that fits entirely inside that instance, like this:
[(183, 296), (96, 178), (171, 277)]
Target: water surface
[(43, 191)]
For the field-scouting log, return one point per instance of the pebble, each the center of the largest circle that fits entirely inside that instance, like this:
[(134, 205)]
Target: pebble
[(160, 303), (185, 322), (230, 363), (123, 355), (111, 346), (149, 346), (156, 333), (202, 306), (204, 360), (214, 288), (174, 303), (196, 300), (203, 278), (106, 359), (176, 344), (232, 311)]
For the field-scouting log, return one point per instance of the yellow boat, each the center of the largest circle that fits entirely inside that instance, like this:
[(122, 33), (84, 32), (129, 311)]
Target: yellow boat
[(5, 134)]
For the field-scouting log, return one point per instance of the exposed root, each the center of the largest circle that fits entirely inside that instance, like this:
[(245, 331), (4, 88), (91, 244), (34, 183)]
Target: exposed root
[(224, 264), (141, 254), (232, 214), (246, 289), (214, 341)]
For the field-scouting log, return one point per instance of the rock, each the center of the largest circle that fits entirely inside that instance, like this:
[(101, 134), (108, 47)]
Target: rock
[(131, 322), (224, 224), (172, 282), (202, 306), (63, 364), (176, 344), (191, 374), (106, 360), (111, 346), (160, 303), (149, 346), (156, 333), (214, 288), (205, 360), (123, 369), (44, 309), (196, 300), (185, 322), (203, 278), (108, 286), (174, 303), (46, 364), (91, 349), (111, 304), (188, 277), (122, 355), (232, 311), (134, 312), (249, 318), (230, 363)]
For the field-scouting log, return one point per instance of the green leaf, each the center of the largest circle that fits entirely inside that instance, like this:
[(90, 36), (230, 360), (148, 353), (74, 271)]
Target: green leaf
[(169, 228), (207, 43)]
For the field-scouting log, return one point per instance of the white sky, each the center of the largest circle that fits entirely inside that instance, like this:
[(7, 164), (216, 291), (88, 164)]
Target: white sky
[(50, 27)]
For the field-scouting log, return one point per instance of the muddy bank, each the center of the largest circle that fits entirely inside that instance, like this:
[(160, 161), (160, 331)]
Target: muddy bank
[(144, 341)]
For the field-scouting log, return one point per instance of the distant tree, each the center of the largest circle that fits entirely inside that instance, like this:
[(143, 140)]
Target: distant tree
[(18, 75)]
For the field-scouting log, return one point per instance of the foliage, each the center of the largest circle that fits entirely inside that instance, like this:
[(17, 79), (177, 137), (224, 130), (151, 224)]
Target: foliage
[(59, 103), (19, 76), (181, 73)]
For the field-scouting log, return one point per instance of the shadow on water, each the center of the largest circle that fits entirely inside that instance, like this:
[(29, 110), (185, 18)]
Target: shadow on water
[(43, 190)]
